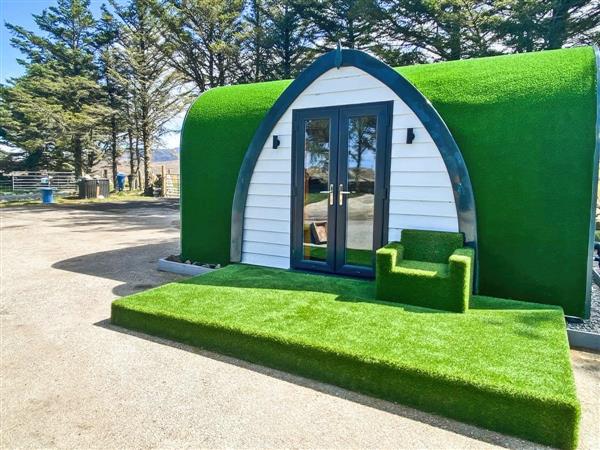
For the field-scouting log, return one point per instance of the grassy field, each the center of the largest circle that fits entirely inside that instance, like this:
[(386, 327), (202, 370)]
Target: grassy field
[(504, 365), (74, 200)]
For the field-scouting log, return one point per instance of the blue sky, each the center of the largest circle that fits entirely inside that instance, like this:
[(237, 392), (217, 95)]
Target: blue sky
[(19, 12)]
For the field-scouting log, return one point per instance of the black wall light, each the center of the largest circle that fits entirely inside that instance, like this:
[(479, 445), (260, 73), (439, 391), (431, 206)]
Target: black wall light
[(410, 136), (276, 141)]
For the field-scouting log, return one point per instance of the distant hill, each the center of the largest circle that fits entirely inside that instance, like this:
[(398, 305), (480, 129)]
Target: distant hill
[(159, 155), (165, 154)]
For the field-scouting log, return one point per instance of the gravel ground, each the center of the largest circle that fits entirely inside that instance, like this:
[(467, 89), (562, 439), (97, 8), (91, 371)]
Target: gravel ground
[(69, 379), (592, 324)]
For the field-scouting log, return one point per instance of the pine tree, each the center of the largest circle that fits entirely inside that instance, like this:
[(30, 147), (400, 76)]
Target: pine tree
[(30, 122), (155, 90), (202, 39), (442, 29), (64, 56), (288, 37), (529, 25), (106, 41), (350, 22), (256, 40)]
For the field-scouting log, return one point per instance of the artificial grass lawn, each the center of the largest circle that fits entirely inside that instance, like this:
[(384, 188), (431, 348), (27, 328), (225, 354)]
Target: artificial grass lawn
[(525, 125), (503, 365)]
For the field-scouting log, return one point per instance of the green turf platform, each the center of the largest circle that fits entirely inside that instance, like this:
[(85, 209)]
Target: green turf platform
[(503, 365)]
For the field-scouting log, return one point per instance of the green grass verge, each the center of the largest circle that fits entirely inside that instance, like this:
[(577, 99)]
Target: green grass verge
[(503, 365), (114, 197)]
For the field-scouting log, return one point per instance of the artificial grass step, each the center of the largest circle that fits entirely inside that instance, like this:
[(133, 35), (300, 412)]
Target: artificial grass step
[(503, 365)]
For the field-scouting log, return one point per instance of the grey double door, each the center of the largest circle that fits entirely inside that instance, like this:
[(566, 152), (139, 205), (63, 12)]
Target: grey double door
[(339, 193)]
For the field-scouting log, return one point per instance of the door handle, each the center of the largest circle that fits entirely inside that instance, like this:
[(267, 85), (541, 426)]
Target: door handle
[(330, 192), (341, 194)]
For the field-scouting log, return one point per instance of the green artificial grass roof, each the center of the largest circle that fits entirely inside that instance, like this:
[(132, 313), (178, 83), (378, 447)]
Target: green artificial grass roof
[(503, 364), (525, 125)]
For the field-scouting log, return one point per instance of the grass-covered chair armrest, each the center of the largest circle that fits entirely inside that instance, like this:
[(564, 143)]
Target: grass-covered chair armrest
[(389, 256), (461, 261), (461, 266)]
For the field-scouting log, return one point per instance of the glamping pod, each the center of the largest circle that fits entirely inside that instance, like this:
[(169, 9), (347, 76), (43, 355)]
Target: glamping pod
[(320, 172)]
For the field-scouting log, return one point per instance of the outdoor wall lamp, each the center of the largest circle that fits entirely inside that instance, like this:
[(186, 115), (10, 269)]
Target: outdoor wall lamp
[(276, 141), (410, 136)]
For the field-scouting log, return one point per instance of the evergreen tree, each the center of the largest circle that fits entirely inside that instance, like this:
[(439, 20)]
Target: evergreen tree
[(444, 29), (106, 41), (61, 72), (201, 39), (288, 37), (350, 22), (256, 40), (45, 112), (529, 25), (154, 88)]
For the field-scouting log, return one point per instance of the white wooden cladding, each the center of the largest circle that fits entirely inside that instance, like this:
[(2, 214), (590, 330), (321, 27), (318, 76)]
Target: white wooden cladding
[(420, 190)]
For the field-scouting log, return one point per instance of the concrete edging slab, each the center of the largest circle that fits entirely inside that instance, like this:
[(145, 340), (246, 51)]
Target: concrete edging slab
[(584, 339), (182, 268)]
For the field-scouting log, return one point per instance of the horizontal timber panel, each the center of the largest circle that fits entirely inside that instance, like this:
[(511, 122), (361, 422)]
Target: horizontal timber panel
[(423, 222), (273, 165), (278, 226), (434, 179), (268, 201), (283, 153), (271, 177), (263, 248), (269, 189), (416, 150), (440, 209), (439, 194), (266, 260), (282, 238), (424, 164), (253, 212)]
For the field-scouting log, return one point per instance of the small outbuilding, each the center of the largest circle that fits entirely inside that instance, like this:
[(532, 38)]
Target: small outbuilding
[(318, 172)]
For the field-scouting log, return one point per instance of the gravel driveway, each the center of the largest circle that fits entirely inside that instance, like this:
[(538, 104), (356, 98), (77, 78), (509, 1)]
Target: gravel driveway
[(70, 379)]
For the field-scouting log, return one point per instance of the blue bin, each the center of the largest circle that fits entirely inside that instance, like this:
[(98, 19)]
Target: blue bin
[(47, 194), (121, 181)]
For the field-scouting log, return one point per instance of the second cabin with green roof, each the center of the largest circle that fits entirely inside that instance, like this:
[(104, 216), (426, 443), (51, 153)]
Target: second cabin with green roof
[(318, 173)]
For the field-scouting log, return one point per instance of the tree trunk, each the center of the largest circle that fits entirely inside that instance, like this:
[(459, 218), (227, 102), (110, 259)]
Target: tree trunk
[(138, 156), (455, 38), (257, 41), (350, 42), (131, 158), (147, 157), (557, 30), (287, 54), (78, 156), (113, 148)]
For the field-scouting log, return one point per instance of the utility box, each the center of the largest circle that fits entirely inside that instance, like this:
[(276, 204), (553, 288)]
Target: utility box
[(94, 188)]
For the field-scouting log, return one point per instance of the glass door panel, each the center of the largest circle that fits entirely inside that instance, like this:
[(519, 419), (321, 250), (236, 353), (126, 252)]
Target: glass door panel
[(317, 192), (363, 150), (360, 201)]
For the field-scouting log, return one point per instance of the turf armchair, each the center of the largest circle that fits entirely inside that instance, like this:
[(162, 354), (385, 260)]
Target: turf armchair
[(427, 268)]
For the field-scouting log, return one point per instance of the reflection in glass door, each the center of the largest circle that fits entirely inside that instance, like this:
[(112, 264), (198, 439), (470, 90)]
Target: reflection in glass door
[(339, 187), (359, 202), (317, 191)]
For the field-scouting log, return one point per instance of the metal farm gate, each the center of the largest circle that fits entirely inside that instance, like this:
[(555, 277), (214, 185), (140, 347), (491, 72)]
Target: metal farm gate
[(171, 186), (31, 181)]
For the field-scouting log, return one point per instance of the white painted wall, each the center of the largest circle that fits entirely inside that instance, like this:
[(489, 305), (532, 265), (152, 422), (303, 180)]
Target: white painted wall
[(420, 190)]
